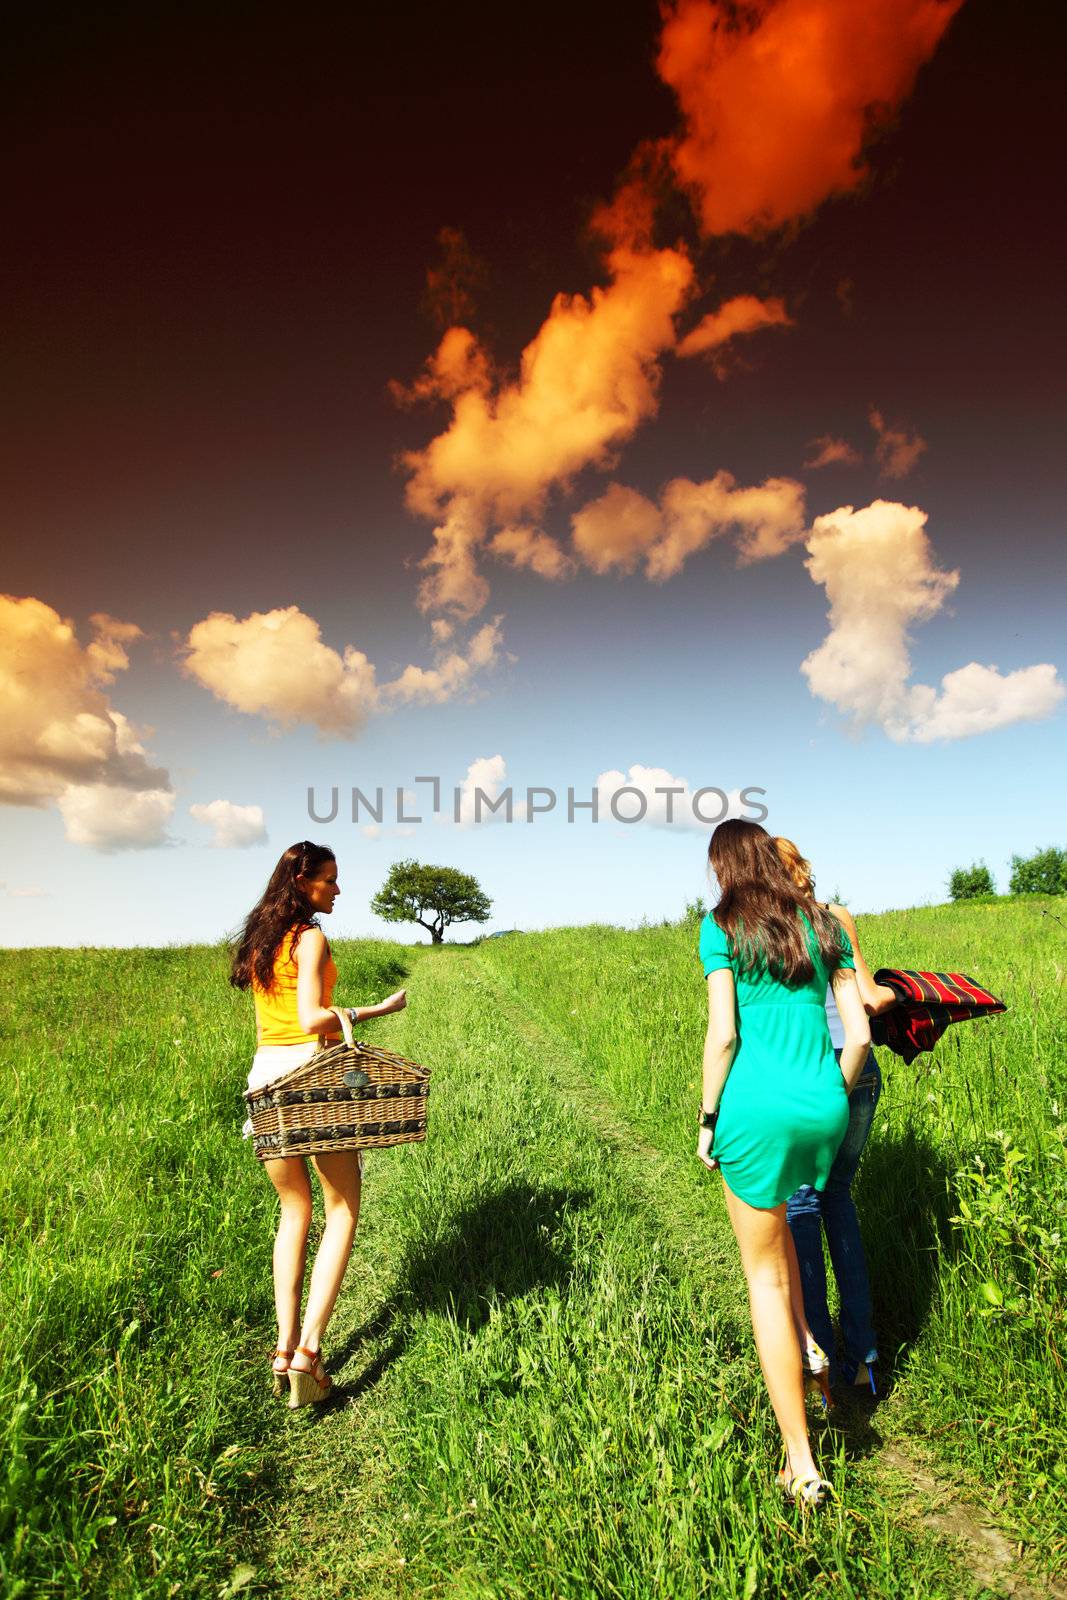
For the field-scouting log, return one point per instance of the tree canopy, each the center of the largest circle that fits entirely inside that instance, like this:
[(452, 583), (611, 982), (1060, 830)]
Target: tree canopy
[(432, 896)]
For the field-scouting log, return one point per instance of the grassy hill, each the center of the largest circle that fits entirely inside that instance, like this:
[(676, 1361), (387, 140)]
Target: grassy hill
[(549, 1386)]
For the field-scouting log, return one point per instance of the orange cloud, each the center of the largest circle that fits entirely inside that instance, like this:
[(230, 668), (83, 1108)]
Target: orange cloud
[(58, 730), (453, 284), (898, 449), (745, 313), (586, 381), (827, 451), (529, 547), (623, 528), (780, 97)]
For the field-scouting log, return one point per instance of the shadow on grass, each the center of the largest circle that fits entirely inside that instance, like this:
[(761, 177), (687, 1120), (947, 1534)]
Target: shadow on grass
[(903, 1195), (496, 1249)]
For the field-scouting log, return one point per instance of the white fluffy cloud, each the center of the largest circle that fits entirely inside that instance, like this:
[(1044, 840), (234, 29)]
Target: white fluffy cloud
[(107, 818), (275, 665), (233, 827), (664, 801), (61, 740), (977, 699), (485, 774), (453, 673), (881, 578), (623, 528)]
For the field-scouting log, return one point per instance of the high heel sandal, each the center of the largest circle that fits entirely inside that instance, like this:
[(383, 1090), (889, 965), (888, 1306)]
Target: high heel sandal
[(804, 1488), (864, 1378), (280, 1375), (308, 1388), (817, 1372)]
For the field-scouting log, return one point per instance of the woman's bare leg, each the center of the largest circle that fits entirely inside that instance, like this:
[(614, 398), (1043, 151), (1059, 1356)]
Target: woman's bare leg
[(763, 1239), (289, 1175), (339, 1174)]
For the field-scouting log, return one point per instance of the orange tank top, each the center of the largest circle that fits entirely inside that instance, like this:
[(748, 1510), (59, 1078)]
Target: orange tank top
[(276, 1013)]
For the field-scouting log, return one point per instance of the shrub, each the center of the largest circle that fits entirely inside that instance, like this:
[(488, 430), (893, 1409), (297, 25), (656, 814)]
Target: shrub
[(966, 883), (1045, 872)]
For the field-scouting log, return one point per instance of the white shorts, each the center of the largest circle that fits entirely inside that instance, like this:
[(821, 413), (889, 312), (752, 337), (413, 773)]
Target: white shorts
[(274, 1061)]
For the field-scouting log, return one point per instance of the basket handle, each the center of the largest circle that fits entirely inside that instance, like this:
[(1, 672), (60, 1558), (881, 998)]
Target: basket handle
[(341, 1013)]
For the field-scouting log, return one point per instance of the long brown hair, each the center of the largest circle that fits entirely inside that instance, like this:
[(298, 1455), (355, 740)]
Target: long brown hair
[(281, 907), (760, 905)]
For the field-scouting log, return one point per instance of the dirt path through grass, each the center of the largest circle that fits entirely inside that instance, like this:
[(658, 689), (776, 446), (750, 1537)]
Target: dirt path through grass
[(676, 1193), (548, 1385)]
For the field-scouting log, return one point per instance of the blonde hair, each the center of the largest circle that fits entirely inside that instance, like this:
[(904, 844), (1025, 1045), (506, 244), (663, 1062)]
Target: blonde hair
[(795, 865)]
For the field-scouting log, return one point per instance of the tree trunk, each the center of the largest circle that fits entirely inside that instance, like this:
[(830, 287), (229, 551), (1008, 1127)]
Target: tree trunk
[(438, 935)]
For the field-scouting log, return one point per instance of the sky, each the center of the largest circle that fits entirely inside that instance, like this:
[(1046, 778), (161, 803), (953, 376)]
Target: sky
[(597, 399)]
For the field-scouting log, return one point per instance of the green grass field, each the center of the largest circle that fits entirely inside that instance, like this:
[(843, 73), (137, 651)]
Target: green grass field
[(548, 1385)]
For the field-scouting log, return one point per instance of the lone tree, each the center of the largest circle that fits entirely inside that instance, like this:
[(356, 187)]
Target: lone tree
[(431, 896)]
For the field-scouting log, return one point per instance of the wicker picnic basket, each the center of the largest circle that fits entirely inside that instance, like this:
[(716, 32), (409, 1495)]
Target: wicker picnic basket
[(350, 1096)]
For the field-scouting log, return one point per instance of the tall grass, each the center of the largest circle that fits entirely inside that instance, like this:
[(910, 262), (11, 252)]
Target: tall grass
[(547, 1383), (135, 1292), (551, 1396), (962, 1191)]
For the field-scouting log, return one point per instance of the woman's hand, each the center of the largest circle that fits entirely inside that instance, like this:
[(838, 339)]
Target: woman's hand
[(395, 1002), (705, 1140)]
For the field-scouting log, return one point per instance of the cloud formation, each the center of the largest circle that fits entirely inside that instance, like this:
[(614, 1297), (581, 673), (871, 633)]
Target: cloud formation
[(826, 451), (623, 528), (107, 818), (823, 73), (881, 578), (586, 381), (60, 736), (528, 547), (486, 774), (233, 827), (453, 674), (745, 313), (898, 448), (274, 664), (664, 801)]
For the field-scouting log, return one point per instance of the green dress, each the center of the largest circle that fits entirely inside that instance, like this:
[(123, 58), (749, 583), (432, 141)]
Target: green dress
[(783, 1110)]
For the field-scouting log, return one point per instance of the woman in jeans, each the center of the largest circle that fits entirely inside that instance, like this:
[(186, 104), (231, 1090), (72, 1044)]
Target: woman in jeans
[(808, 1211)]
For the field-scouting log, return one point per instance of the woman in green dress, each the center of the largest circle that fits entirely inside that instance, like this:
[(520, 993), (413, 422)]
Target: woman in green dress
[(775, 1102)]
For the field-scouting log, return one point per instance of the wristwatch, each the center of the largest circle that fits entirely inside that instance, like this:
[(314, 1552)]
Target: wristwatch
[(708, 1119)]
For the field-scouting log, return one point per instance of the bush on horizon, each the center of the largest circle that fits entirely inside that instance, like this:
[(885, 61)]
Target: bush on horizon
[(1045, 872), (967, 883)]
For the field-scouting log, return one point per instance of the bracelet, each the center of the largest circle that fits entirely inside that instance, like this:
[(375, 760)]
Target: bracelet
[(352, 1017)]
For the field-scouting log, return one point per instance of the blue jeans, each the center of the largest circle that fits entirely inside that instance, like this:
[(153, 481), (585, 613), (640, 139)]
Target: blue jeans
[(834, 1208)]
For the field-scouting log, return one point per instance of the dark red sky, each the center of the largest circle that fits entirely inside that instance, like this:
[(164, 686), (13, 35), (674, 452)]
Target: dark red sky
[(219, 222)]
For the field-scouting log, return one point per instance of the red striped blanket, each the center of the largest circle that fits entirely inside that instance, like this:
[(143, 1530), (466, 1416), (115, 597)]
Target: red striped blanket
[(929, 1003)]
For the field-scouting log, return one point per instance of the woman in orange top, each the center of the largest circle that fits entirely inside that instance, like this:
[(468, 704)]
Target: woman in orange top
[(283, 957)]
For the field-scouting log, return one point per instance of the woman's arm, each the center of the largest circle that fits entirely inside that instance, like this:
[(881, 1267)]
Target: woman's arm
[(311, 955), (720, 1045), (876, 997), (854, 1021)]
